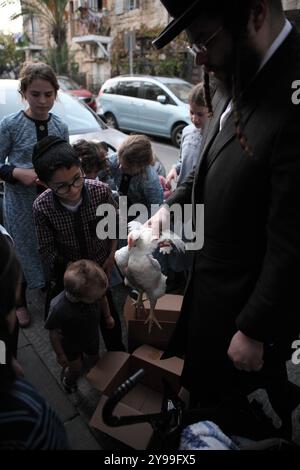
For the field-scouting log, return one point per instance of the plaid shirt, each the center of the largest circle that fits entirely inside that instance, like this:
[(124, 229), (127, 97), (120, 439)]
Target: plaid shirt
[(65, 236)]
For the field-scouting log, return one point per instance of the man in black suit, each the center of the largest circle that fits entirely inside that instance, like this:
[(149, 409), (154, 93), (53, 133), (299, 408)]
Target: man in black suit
[(241, 310)]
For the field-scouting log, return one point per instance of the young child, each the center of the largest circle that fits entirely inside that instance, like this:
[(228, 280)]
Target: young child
[(92, 156), (133, 172), (75, 316), (65, 219), (18, 134), (190, 149), (191, 138)]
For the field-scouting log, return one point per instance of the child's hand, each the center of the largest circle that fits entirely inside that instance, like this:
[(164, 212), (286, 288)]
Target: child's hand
[(110, 322), (62, 360), (27, 176)]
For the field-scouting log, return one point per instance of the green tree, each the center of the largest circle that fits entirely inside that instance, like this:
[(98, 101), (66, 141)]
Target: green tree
[(10, 55), (54, 15)]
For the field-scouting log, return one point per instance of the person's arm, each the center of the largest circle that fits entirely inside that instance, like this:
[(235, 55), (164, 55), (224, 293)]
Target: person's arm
[(6, 170), (54, 336), (271, 311), (46, 240), (109, 263), (152, 188), (9, 172), (66, 135), (105, 311), (172, 175)]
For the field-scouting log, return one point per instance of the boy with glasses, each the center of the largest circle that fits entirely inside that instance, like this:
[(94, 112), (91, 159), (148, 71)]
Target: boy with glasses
[(65, 219)]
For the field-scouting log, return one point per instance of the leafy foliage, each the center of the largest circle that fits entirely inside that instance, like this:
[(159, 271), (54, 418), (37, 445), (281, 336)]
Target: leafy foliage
[(10, 55), (54, 15), (172, 61)]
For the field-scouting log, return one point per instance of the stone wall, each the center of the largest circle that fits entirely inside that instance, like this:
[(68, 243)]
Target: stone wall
[(150, 13), (291, 4)]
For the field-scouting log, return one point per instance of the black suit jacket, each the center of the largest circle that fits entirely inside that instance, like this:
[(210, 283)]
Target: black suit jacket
[(247, 275)]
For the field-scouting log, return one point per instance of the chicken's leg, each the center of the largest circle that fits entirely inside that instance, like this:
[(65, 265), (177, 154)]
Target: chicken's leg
[(139, 305), (152, 318)]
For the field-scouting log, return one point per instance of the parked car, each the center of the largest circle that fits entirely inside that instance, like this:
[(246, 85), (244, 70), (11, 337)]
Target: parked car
[(152, 105), (82, 122), (70, 86)]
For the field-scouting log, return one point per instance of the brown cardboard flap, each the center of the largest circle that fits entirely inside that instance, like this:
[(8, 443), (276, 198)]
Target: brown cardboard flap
[(106, 368), (138, 334), (146, 397), (135, 435), (149, 354)]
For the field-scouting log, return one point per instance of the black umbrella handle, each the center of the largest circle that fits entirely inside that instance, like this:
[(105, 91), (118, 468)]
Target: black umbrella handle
[(111, 403)]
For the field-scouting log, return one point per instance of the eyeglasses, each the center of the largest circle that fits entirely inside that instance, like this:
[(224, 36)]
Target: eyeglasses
[(201, 48), (64, 188)]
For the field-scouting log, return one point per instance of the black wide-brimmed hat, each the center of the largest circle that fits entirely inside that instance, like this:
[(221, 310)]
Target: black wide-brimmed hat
[(185, 12)]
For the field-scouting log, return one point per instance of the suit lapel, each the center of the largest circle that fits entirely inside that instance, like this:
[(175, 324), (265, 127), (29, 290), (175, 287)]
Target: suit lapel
[(227, 133), (219, 105)]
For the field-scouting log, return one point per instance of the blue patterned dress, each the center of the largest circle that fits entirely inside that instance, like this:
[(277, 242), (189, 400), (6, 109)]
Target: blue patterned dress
[(18, 134)]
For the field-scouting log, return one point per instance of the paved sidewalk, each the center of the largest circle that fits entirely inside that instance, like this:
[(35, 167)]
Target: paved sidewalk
[(38, 360)]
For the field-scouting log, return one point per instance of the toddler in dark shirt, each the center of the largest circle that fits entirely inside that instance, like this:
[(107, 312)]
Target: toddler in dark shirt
[(74, 318)]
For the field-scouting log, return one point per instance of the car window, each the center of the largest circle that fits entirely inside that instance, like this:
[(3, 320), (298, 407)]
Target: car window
[(181, 90), (130, 88), (78, 117), (110, 88), (152, 91)]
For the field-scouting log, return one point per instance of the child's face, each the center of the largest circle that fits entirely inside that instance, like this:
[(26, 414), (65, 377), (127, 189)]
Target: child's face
[(40, 95), (198, 115), (92, 174), (67, 184)]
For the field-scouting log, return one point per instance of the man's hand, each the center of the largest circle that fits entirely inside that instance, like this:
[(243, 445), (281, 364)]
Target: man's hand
[(246, 353), (26, 176), (159, 222)]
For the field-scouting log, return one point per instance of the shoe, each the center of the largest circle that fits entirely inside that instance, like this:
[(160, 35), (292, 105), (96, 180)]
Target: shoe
[(69, 387), (23, 317)]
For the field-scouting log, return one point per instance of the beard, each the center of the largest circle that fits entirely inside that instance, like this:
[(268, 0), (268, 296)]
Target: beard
[(241, 65)]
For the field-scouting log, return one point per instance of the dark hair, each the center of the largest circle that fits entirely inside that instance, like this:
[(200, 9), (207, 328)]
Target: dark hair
[(36, 70), (10, 276), (92, 155), (50, 154)]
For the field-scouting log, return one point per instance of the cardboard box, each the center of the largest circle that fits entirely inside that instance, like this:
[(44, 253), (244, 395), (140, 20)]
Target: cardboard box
[(167, 312), (146, 397)]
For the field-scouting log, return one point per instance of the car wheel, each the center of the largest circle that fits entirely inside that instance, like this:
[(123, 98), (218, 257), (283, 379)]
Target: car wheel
[(177, 134), (111, 120)]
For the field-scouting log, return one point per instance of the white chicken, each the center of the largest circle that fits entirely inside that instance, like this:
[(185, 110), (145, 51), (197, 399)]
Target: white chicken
[(141, 270)]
